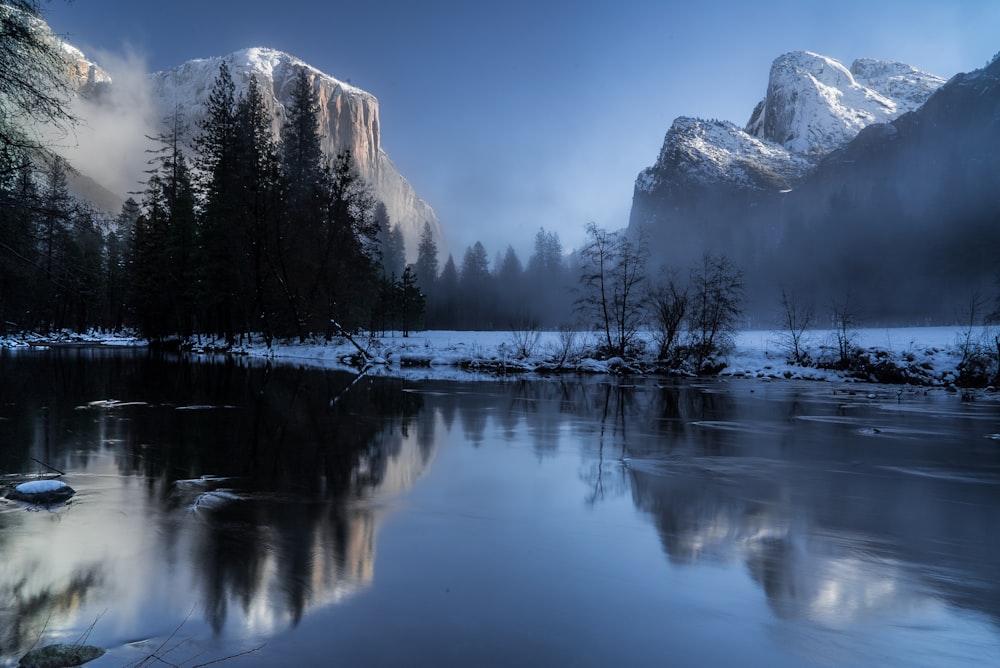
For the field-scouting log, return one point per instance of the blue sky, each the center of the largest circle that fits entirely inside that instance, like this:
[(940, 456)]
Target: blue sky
[(509, 116)]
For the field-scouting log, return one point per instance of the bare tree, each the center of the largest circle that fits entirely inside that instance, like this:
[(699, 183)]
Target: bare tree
[(668, 305), (845, 322), (613, 271), (34, 86), (716, 305), (795, 320), (524, 334)]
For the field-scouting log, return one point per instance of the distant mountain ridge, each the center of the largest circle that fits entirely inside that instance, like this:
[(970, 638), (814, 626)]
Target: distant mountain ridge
[(879, 181), (813, 106)]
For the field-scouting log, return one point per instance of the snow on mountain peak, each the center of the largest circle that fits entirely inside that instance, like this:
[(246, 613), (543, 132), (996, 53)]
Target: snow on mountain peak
[(814, 104), (348, 121), (719, 151)]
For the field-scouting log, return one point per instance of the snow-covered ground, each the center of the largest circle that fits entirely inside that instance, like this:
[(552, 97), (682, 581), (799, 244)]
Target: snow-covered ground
[(932, 353), (929, 354)]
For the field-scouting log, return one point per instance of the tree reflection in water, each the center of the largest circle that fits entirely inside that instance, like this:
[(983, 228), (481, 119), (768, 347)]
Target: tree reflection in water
[(838, 508), (291, 471)]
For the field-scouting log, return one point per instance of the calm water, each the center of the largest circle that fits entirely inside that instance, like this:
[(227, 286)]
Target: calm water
[(224, 506)]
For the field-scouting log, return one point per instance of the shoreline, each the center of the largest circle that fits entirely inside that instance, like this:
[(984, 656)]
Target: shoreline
[(915, 356)]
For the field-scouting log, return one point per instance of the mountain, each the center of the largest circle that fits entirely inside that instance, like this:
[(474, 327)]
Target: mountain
[(813, 106), (877, 181), (349, 120)]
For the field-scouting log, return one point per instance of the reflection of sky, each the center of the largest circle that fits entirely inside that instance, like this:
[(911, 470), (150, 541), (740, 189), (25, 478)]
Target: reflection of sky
[(560, 522)]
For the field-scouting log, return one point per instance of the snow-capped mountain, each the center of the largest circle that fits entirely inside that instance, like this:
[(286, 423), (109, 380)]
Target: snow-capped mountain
[(349, 120), (814, 104), (698, 151), (901, 214), (84, 76)]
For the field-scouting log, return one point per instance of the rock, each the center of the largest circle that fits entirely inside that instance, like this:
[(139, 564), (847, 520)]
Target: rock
[(42, 492), (60, 656)]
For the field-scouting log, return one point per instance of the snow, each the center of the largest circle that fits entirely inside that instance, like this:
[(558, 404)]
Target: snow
[(715, 151), (931, 354), (41, 487), (813, 106)]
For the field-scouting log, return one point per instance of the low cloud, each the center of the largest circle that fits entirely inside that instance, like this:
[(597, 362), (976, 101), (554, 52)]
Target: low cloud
[(111, 143)]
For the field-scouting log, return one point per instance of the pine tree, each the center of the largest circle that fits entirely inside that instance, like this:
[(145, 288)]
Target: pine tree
[(426, 267), (294, 254), (411, 301), (219, 288), (18, 247), (476, 288), (260, 223)]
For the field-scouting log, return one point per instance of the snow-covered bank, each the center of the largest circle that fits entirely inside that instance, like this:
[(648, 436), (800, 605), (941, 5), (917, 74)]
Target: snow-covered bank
[(915, 355), (66, 337)]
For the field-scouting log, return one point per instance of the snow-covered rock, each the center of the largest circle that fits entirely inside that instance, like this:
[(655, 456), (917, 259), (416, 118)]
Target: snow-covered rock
[(706, 152), (814, 104), (42, 492), (348, 116)]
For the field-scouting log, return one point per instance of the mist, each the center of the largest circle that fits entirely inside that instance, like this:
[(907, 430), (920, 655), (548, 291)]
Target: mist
[(111, 142)]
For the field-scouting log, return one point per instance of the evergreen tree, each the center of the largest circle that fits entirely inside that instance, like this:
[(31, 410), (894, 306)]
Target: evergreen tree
[(294, 251), (219, 294), (476, 289), (443, 310), (148, 265), (348, 267), (391, 242), (56, 220), (411, 302), (118, 251), (18, 247), (426, 267), (257, 157)]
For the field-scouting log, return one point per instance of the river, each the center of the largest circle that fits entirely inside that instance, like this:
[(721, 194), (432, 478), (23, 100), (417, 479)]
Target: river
[(226, 506)]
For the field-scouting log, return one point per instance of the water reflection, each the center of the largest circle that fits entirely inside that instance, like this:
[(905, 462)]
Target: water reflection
[(829, 529), (256, 494), (245, 484)]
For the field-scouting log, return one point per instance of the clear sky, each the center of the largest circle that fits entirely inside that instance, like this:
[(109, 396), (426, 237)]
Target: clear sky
[(509, 116)]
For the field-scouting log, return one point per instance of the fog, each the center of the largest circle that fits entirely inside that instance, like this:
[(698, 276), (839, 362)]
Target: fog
[(901, 221), (110, 144)]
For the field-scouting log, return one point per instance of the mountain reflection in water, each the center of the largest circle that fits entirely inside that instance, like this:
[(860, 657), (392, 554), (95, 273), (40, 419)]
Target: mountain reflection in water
[(238, 483), (519, 508)]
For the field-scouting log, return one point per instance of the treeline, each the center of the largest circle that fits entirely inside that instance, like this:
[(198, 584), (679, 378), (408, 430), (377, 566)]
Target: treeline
[(475, 295), (252, 236)]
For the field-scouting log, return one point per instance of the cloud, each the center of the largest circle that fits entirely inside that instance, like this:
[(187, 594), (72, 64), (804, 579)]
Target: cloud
[(111, 143)]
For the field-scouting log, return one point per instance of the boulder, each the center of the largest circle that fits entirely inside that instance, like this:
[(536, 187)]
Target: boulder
[(60, 656), (42, 492)]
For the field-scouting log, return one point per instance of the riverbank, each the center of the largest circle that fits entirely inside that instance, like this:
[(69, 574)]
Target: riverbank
[(924, 356)]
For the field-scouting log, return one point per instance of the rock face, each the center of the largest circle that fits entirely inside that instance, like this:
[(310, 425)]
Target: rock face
[(814, 104), (84, 76), (348, 116), (349, 120)]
